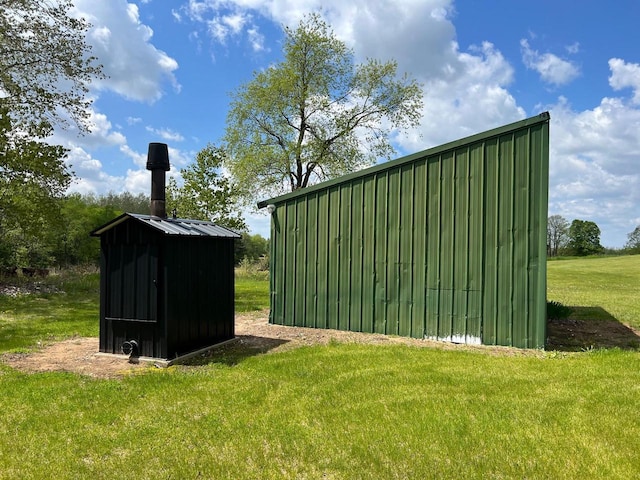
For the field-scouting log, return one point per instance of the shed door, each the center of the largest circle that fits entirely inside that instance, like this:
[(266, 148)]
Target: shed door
[(132, 278)]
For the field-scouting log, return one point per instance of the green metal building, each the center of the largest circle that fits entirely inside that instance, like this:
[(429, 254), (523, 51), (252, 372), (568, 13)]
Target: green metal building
[(448, 244)]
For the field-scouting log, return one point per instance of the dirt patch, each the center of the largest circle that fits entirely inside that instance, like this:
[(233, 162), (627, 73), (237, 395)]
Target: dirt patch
[(254, 336), (574, 335)]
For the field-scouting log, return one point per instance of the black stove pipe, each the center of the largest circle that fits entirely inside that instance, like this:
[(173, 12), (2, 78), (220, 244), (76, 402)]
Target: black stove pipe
[(158, 163)]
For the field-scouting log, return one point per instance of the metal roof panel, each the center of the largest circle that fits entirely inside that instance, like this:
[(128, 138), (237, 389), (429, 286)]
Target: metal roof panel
[(172, 226)]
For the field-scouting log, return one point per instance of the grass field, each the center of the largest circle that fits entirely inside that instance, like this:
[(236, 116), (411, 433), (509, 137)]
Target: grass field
[(611, 283), (336, 411)]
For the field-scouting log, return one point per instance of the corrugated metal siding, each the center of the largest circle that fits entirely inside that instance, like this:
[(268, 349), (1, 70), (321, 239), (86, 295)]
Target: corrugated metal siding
[(447, 244), (130, 302), (200, 288)]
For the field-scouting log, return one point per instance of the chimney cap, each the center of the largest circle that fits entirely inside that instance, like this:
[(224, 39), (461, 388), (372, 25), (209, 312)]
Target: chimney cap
[(158, 157)]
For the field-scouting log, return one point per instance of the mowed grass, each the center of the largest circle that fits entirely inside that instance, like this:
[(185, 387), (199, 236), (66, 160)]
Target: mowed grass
[(337, 411), (70, 308), (611, 283), (252, 292), (340, 411)]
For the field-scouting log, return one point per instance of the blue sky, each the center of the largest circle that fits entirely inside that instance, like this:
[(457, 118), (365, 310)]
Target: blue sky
[(172, 65)]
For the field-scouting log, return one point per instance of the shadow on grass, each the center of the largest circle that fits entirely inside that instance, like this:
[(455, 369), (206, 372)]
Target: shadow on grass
[(590, 328), (244, 347)]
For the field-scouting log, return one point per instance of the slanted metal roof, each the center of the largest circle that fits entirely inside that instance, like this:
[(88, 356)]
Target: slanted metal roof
[(171, 226)]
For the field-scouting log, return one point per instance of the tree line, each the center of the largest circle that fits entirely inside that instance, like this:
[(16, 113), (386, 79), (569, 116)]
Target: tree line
[(61, 238), (581, 238)]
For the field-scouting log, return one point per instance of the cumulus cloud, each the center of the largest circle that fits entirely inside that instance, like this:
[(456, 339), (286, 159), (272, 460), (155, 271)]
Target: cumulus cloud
[(595, 165), (135, 69), (223, 20), (625, 75), (469, 97), (90, 176), (166, 134), (138, 180), (418, 34), (552, 69)]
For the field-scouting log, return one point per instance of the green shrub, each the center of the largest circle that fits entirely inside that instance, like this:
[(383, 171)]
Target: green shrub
[(557, 311), (258, 269)]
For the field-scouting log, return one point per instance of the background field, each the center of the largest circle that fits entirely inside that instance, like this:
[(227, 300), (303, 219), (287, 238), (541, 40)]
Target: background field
[(336, 411), (611, 283)]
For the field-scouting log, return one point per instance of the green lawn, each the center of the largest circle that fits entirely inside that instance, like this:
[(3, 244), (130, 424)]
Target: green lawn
[(611, 283), (31, 320), (337, 411), (252, 292)]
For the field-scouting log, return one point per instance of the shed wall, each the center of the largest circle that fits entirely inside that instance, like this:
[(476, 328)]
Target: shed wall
[(447, 244), (172, 294), (131, 306), (200, 293)]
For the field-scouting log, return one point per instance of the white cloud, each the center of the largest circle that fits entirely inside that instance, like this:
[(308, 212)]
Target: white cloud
[(139, 159), (256, 39), (135, 69), (552, 69), (625, 75), (90, 176), (221, 27), (166, 134), (573, 48), (223, 20), (418, 34), (595, 166), (137, 181), (101, 134), (470, 97)]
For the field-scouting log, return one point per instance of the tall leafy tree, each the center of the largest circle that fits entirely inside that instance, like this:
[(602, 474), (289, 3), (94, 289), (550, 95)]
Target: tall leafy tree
[(557, 234), (584, 238), (80, 214), (45, 69), (33, 177), (32, 173), (633, 240), (45, 64), (315, 115), (206, 193), (252, 247)]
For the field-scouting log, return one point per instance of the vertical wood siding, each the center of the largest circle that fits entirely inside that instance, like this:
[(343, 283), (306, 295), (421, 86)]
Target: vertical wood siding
[(447, 244)]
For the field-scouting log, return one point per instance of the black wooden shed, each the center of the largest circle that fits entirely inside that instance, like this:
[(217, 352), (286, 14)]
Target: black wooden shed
[(166, 284)]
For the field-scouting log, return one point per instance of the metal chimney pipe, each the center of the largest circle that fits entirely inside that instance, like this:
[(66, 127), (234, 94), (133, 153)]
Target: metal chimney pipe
[(158, 163)]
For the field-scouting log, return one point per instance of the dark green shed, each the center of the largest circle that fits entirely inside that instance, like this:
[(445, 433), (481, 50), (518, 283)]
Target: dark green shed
[(447, 244)]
